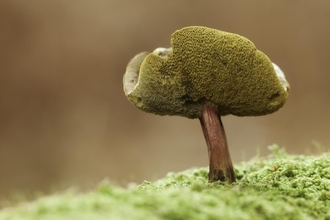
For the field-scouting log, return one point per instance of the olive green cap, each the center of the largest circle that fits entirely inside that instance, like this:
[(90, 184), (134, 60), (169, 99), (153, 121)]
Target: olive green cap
[(205, 66)]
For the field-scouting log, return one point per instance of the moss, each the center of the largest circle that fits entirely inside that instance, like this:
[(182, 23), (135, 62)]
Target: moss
[(279, 186), (207, 65)]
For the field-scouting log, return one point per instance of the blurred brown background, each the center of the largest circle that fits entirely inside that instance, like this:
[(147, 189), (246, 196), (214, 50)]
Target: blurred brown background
[(64, 119)]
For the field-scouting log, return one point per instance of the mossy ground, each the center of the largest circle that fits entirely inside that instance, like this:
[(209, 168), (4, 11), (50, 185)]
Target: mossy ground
[(279, 186)]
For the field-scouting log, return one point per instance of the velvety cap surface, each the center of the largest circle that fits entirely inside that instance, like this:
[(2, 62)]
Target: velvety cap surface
[(207, 66)]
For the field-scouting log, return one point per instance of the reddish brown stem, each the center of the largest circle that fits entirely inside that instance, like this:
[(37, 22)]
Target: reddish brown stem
[(221, 167)]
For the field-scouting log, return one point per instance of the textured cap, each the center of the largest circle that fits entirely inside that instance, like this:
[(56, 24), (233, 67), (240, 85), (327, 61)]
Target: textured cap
[(203, 66)]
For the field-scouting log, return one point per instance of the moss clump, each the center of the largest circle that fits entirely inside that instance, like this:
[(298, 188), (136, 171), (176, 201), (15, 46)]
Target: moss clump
[(208, 66), (279, 186)]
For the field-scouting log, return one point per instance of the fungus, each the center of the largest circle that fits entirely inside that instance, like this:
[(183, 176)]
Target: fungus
[(207, 74)]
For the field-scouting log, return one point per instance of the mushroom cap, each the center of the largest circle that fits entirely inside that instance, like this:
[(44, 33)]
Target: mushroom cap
[(205, 66)]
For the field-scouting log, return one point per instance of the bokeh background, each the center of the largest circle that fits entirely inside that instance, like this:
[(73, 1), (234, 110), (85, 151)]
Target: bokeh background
[(64, 119)]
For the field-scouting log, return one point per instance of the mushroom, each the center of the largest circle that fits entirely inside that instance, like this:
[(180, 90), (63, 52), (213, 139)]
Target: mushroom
[(207, 74)]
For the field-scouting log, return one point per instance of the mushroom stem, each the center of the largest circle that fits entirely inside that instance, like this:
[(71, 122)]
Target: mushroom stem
[(221, 167)]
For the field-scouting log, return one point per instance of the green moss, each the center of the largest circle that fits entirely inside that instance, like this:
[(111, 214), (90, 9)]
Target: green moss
[(207, 65), (279, 186)]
